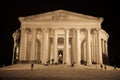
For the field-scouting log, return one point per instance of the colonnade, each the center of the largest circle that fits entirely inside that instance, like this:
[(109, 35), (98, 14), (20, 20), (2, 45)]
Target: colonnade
[(94, 46)]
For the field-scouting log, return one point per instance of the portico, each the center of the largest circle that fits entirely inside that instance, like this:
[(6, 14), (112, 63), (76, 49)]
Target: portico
[(61, 37)]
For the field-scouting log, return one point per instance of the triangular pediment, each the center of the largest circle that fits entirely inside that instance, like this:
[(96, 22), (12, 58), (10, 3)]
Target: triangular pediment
[(60, 15)]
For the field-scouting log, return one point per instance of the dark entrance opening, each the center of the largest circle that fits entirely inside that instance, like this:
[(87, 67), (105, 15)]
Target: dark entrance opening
[(60, 56)]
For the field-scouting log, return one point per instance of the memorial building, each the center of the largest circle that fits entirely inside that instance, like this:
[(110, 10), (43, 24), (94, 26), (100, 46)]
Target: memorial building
[(60, 37)]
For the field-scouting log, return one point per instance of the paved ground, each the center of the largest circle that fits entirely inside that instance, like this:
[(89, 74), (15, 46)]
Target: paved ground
[(58, 72)]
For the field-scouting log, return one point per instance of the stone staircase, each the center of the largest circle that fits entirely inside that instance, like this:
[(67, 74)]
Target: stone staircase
[(39, 66)]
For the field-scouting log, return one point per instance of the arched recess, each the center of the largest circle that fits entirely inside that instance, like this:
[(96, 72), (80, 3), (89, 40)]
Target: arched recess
[(60, 56), (38, 50), (83, 51)]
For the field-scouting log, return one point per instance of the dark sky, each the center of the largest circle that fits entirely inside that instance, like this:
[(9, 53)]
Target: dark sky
[(12, 10)]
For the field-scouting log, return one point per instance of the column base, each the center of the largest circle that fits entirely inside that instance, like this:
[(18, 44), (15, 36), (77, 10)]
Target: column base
[(88, 64), (77, 64)]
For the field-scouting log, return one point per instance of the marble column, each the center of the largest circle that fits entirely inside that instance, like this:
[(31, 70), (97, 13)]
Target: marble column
[(55, 47), (46, 44), (106, 48), (42, 47), (49, 47), (96, 47), (22, 45), (99, 48), (92, 47), (51, 53), (32, 55), (73, 56), (88, 47), (13, 55), (78, 48), (67, 56), (64, 51), (94, 51), (103, 47), (84, 51)]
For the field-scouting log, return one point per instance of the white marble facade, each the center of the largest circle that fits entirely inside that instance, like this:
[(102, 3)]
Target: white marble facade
[(60, 37)]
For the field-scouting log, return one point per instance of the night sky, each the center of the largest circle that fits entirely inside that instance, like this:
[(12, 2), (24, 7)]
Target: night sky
[(14, 9)]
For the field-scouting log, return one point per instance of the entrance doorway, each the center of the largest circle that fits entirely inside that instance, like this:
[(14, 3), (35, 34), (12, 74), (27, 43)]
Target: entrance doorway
[(60, 56)]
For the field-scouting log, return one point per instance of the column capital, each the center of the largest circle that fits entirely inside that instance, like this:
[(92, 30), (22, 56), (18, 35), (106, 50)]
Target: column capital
[(67, 29), (88, 29), (78, 30), (45, 30), (54, 29), (33, 29), (22, 28), (97, 29), (72, 29)]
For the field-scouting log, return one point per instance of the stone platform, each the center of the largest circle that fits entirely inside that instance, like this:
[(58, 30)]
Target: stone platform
[(39, 66), (57, 72)]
